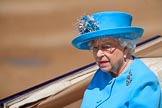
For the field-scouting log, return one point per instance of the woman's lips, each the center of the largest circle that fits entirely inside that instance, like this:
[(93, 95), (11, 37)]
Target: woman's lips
[(103, 63)]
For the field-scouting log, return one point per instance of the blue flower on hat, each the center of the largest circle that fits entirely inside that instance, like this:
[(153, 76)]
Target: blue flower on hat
[(87, 24)]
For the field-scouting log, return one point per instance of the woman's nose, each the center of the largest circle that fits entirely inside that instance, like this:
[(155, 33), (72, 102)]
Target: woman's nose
[(100, 53)]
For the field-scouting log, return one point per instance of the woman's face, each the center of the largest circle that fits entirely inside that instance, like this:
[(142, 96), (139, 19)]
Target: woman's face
[(108, 54)]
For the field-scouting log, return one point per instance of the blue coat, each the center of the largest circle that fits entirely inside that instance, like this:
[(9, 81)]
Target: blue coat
[(136, 87)]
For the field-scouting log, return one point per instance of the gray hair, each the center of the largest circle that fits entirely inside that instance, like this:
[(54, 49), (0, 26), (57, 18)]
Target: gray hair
[(130, 44)]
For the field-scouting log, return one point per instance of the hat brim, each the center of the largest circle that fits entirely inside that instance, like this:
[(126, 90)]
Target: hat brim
[(131, 33)]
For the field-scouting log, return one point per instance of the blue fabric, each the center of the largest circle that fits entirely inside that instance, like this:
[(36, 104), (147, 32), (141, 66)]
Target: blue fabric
[(137, 87), (161, 100)]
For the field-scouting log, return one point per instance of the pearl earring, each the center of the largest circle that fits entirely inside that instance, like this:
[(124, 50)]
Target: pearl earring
[(124, 56)]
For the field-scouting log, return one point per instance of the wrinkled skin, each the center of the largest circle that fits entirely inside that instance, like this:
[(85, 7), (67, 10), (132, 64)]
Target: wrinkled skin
[(110, 60)]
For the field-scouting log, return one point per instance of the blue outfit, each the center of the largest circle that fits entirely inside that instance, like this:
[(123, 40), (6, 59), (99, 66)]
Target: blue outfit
[(136, 87)]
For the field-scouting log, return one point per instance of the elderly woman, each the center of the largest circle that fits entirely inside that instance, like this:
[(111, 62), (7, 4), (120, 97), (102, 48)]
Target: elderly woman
[(122, 80)]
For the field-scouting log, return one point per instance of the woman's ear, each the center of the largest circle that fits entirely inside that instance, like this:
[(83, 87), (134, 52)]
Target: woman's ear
[(126, 53), (126, 50)]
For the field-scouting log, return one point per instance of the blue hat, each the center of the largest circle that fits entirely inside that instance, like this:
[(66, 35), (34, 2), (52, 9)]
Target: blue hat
[(105, 24)]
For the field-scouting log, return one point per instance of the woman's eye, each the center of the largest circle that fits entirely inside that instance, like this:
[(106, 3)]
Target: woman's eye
[(106, 47), (95, 48)]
